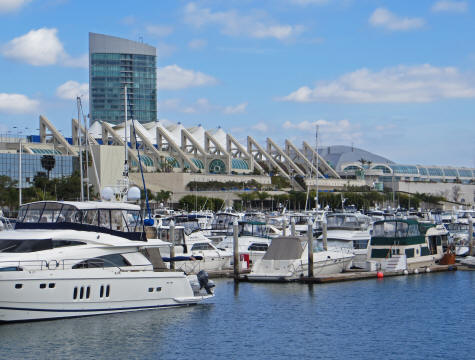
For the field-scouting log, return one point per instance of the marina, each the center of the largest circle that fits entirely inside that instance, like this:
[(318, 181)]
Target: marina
[(290, 179)]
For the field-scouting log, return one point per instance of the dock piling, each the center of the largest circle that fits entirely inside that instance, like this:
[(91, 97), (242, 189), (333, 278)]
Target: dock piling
[(470, 235), (284, 227), (292, 227), (172, 247), (324, 234), (236, 250), (310, 247)]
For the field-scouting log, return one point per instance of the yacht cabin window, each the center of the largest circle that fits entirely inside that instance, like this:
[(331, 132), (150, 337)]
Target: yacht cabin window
[(52, 212), (393, 229), (27, 246), (112, 260), (201, 246)]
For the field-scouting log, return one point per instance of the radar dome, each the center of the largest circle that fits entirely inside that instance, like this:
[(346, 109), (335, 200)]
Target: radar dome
[(107, 194), (133, 194)]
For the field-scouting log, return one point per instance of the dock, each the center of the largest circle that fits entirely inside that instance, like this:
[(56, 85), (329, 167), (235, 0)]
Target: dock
[(352, 275)]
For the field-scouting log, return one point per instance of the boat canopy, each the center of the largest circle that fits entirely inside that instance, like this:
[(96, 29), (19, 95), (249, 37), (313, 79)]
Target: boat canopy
[(285, 248), (119, 219), (396, 228)]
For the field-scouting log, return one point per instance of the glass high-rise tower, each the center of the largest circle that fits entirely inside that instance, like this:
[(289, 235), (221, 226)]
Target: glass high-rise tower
[(113, 64)]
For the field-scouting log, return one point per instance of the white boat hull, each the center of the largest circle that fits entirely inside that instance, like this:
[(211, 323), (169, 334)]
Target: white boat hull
[(73, 293), (288, 270)]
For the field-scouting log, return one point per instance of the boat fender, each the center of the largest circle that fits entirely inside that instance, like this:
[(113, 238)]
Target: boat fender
[(406, 272), (428, 269), (380, 274), (416, 271), (53, 264)]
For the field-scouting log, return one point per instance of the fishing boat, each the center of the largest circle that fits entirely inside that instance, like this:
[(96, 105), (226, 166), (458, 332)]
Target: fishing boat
[(406, 244), (287, 260), (68, 259)]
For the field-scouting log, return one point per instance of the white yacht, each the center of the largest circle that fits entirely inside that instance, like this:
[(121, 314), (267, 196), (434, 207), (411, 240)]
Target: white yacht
[(287, 260), (68, 259), (349, 231), (194, 252)]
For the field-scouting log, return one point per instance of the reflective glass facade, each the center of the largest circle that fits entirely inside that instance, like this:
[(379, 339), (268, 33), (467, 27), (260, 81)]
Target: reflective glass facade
[(31, 165), (109, 74)]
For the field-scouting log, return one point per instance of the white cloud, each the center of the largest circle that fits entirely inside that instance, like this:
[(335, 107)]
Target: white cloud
[(41, 47), (159, 30), (70, 90), (7, 6), (386, 19), (17, 104), (256, 25), (331, 131), (173, 77), (197, 44), (238, 109), (450, 6), (260, 126), (400, 84), (38, 47)]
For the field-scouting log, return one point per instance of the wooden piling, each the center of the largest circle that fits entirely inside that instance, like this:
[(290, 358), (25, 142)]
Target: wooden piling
[(470, 236), (324, 234), (172, 247), (292, 227), (284, 227), (237, 263)]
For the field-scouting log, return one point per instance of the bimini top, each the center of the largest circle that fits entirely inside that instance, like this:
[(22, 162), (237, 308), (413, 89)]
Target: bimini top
[(116, 218), (86, 205)]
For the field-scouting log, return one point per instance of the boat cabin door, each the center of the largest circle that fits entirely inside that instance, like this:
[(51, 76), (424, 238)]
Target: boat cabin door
[(433, 244)]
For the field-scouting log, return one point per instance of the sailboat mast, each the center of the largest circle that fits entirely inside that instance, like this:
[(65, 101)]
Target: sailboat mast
[(78, 99), (126, 162), (316, 179)]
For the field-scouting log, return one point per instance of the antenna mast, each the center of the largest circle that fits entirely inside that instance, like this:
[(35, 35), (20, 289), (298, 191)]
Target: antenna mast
[(316, 182)]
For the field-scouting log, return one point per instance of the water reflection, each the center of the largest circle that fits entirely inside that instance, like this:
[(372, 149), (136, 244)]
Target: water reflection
[(278, 321)]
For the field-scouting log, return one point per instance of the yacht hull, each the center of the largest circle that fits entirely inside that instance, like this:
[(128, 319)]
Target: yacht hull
[(283, 270), (40, 295)]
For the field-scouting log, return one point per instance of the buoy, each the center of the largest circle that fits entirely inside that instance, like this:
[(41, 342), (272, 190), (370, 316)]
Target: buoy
[(406, 272), (380, 275), (428, 269), (416, 271)]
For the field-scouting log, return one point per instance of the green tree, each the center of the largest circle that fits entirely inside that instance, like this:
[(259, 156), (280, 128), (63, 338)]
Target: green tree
[(48, 162)]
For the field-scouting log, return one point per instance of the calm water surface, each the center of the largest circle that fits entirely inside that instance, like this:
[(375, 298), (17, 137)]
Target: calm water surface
[(416, 317)]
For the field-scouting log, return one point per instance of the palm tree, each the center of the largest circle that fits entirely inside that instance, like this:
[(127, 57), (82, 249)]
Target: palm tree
[(48, 162), (262, 195)]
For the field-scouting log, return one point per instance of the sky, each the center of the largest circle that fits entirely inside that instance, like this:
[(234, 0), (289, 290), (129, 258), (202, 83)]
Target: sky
[(396, 78)]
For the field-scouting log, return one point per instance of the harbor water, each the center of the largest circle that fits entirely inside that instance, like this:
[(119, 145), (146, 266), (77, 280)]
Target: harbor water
[(414, 317)]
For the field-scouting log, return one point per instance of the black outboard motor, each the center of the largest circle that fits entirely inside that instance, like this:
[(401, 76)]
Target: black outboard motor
[(204, 282)]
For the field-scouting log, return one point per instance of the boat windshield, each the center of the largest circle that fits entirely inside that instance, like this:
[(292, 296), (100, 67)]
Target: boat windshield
[(125, 220), (391, 229), (249, 229), (164, 234), (221, 221), (348, 221)]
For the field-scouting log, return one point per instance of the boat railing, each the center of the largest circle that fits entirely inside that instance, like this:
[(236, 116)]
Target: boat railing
[(66, 264)]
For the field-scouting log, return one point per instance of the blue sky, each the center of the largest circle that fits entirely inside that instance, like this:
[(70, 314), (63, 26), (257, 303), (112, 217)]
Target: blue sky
[(393, 77)]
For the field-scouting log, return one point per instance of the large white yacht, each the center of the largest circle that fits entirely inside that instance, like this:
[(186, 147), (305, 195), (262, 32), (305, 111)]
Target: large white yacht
[(67, 259)]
